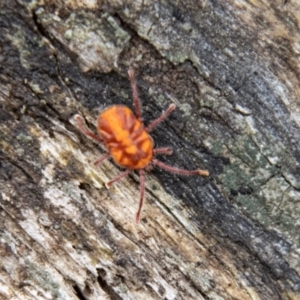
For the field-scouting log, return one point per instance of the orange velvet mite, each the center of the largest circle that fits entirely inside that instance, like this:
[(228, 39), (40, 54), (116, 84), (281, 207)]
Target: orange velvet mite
[(128, 141)]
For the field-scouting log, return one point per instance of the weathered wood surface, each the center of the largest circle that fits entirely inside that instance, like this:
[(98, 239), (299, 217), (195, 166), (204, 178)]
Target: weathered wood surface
[(232, 68)]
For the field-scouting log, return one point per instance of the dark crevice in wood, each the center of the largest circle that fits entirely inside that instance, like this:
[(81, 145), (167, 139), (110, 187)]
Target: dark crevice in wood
[(105, 286), (79, 293)]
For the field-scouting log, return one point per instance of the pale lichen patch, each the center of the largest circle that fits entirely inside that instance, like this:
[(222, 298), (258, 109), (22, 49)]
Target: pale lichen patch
[(61, 150), (97, 42), (18, 39)]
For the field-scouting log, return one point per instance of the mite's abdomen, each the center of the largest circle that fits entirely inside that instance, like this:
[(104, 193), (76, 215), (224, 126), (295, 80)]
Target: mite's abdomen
[(125, 137)]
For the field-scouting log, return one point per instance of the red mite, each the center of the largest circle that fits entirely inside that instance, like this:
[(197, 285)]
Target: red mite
[(128, 141)]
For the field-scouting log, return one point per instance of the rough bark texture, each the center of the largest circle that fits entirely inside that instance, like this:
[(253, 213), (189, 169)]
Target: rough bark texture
[(232, 68)]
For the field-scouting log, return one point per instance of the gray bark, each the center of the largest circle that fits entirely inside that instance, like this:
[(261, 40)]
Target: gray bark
[(233, 70)]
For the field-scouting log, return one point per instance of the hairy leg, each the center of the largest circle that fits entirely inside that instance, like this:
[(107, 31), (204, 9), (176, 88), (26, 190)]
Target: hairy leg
[(179, 171), (142, 192), (136, 100), (82, 127), (101, 159), (161, 118), (123, 174), (165, 150)]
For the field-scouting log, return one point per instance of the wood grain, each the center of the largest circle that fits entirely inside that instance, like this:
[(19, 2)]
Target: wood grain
[(233, 70)]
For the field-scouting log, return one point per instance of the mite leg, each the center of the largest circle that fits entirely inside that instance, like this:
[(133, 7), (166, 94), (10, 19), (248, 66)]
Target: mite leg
[(123, 174), (179, 171), (136, 100), (161, 118), (82, 127), (101, 159), (165, 150), (142, 192)]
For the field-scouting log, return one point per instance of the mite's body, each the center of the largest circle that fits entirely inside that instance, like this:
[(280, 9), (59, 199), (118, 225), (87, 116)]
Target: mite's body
[(129, 142), (124, 135)]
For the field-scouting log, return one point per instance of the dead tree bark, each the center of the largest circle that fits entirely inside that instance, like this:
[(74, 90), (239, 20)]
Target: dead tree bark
[(233, 70)]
